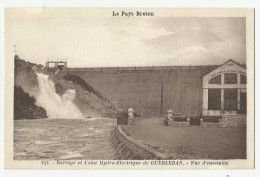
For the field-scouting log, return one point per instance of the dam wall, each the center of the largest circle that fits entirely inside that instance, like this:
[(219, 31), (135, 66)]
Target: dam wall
[(140, 87)]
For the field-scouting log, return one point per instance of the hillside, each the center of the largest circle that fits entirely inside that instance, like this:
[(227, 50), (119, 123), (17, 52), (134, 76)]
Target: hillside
[(89, 101), (24, 106), (25, 77)]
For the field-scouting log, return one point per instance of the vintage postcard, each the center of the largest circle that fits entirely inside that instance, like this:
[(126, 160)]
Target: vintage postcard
[(129, 88)]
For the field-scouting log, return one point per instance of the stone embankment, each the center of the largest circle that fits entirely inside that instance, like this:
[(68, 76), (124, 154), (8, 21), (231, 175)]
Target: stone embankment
[(128, 148)]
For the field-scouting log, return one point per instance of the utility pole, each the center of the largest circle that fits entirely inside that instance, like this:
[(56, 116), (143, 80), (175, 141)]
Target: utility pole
[(161, 106)]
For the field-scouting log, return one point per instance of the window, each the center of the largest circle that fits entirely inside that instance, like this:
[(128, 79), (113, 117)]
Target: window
[(230, 78), (243, 103), (242, 79), (214, 99), (230, 99), (215, 80)]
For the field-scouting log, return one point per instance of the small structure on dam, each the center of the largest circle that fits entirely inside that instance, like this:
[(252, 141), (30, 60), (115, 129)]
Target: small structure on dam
[(52, 66)]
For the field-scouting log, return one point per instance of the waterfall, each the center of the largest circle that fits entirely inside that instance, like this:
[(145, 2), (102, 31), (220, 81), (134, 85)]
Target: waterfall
[(55, 105)]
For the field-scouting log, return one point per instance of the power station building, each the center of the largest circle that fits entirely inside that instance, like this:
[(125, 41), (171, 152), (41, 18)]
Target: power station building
[(224, 90)]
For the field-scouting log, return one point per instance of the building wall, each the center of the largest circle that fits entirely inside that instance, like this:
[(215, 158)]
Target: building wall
[(229, 67)]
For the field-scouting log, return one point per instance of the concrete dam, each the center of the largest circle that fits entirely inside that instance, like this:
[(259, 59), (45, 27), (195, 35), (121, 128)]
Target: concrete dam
[(141, 87)]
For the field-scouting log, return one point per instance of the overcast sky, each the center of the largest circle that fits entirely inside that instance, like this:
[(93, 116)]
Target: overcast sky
[(111, 41)]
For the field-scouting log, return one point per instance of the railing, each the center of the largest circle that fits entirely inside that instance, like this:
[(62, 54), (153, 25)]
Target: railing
[(146, 68)]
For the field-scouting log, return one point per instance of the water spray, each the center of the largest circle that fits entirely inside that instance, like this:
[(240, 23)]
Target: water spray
[(55, 105)]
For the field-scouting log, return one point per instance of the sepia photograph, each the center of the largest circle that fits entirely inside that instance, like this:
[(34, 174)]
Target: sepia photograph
[(129, 88)]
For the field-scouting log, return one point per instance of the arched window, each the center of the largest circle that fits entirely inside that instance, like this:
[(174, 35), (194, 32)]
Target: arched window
[(242, 79), (230, 78), (215, 80)]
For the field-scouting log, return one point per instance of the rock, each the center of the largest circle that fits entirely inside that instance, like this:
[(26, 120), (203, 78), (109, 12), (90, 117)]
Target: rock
[(24, 106)]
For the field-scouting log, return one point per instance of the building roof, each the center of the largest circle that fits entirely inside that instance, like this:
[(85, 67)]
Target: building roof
[(224, 64)]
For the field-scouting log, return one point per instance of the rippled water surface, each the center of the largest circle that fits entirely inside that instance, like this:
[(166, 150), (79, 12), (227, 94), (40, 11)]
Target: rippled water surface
[(63, 139)]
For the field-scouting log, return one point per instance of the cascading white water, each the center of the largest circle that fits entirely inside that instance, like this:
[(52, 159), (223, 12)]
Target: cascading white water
[(55, 105)]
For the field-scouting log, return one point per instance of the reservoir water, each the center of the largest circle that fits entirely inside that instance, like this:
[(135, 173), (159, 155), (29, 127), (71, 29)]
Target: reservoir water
[(53, 139)]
